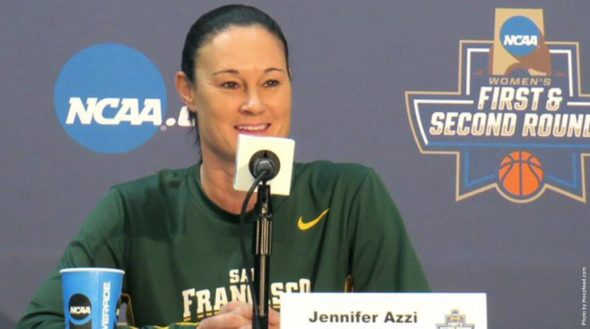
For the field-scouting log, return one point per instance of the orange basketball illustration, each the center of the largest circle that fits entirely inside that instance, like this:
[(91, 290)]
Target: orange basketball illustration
[(521, 174)]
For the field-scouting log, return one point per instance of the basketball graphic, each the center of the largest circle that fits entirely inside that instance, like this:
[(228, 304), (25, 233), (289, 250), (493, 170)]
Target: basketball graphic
[(521, 174)]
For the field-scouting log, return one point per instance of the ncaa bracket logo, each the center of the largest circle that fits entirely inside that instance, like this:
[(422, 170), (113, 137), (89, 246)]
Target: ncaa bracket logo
[(519, 122), (520, 36), (110, 98)]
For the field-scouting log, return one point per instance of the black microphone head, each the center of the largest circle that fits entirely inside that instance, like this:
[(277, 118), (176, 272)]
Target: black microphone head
[(264, 163)]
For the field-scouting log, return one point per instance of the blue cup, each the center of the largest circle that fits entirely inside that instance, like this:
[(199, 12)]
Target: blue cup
[(90, 297)]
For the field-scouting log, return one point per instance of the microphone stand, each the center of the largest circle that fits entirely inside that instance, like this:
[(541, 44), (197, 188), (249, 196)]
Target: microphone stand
[(262, 250)]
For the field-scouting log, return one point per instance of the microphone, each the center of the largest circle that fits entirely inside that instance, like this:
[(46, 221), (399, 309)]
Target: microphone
[(257, 168), (270, 159), (264, 164)]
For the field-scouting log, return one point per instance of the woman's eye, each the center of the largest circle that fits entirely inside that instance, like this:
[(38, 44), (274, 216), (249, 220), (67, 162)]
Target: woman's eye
[(271, 83), (230, 85)]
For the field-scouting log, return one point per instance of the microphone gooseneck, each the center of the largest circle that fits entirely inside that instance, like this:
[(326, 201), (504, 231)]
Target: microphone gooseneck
[(264, 165)]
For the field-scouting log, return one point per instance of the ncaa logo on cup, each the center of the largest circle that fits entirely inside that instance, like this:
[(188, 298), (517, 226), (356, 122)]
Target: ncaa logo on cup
[(80, 307), (520, 36), (110, 98)]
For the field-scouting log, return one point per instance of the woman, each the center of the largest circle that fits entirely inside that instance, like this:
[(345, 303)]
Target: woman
[(175, 233)]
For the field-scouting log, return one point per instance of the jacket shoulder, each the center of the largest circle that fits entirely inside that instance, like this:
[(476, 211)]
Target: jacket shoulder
[(162, 182), (332, 170)]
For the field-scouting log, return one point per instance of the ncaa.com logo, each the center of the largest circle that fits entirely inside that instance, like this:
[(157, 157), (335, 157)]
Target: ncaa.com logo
[(111, 98)]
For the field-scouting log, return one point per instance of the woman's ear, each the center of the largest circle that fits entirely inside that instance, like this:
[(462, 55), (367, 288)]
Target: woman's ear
[(185, 90)]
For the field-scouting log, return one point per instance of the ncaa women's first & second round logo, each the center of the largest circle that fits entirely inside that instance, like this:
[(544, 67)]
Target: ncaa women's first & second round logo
[(518, 122)]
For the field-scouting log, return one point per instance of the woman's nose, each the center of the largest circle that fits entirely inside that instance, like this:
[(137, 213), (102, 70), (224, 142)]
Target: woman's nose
[(253, 103)]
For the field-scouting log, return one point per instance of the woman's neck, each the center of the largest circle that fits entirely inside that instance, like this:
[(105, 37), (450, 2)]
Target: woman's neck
[(217, 183)]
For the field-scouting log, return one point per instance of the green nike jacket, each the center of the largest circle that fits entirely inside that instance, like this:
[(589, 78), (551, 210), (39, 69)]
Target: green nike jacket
[(181, 256)]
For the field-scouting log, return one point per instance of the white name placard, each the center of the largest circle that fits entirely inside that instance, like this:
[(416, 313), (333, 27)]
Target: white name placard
[(384, 310)]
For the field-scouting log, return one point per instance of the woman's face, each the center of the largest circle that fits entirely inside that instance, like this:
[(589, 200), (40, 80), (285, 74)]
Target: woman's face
[(242, 86)]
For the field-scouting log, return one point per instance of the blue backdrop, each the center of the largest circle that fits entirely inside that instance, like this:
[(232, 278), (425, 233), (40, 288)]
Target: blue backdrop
[(352, 63)]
